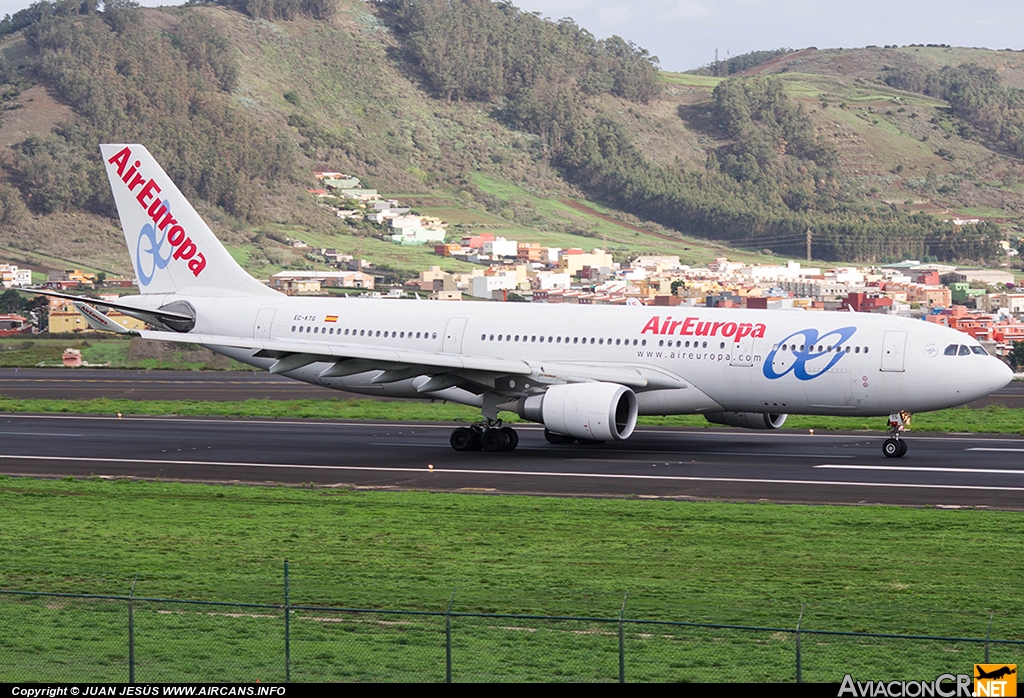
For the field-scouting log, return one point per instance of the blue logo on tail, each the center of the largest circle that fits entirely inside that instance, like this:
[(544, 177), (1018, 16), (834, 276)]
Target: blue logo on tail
[(156, 261), (827, 345)]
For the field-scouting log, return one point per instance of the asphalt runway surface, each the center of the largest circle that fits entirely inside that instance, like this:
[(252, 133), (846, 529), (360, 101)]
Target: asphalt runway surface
[(738, 465)]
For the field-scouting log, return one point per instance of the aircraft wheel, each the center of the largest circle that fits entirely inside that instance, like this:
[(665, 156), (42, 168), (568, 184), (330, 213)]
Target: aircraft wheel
[(462, 439), (894, 448), (513, 438), (494, 440), (555, 438)]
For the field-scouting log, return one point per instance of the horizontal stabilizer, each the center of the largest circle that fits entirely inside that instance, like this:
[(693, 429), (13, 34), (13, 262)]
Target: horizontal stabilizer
[(99, 321)]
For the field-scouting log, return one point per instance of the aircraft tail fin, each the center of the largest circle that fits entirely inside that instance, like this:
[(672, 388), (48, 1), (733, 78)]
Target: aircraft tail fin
[(172, 248)]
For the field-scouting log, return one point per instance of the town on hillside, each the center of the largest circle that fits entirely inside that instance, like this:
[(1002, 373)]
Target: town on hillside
[(983, 303)]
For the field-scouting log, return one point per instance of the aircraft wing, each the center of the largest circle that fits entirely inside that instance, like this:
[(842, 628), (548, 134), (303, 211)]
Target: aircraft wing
[(401, 364)]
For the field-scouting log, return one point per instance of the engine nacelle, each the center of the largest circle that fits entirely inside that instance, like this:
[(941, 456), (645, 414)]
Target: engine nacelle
[(747, 420), (594, 411)]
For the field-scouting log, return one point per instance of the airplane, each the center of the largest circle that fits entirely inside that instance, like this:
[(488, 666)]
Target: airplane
[(584, 372)]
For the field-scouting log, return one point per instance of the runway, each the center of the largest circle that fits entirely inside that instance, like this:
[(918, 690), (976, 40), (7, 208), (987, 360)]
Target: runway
[(940, 470)]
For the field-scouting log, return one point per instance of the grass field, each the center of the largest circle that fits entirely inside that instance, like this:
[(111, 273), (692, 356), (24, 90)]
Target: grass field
[(993, 419), (854, 568)]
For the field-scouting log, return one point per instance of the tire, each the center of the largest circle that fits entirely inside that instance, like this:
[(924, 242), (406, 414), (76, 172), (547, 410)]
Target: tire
[(903, 449), (513, 438), (893, 448), (461, 439), (494, 440), (558, 439)]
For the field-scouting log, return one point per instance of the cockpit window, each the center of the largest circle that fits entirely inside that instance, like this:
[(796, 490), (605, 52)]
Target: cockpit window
[(951, 350), (979, 350), (965, 350)]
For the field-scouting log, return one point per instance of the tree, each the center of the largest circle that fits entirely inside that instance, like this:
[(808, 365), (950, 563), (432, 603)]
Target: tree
[(1016, 356), (11, 302)]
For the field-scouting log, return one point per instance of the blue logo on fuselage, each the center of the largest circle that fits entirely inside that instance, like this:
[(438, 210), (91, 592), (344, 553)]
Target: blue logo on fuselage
[(158, 261), (812, 347)]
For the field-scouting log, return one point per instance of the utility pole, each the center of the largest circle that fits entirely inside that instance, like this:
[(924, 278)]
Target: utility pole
[(808, 245)]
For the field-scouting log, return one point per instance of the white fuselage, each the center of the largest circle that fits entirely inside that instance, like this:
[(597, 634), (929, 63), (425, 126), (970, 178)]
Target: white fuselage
[(696, 360)]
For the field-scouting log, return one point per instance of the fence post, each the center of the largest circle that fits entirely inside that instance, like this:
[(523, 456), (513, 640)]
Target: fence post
[(287, 630), (622, 642), (448, 640), (799, 676), (131, 632), (988, 633)]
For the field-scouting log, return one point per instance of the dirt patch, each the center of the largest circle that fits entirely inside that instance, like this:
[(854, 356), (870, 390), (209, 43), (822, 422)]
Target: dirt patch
[(36, 112)]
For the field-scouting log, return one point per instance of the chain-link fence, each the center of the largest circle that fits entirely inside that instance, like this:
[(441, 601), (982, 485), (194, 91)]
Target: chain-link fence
[(91, 638)]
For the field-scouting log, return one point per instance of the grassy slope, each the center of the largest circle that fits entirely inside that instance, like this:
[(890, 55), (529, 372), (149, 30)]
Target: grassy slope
[(888, 140), (405, 143)]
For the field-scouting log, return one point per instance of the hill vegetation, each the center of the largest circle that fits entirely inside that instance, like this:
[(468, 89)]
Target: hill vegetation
[(430, 99)]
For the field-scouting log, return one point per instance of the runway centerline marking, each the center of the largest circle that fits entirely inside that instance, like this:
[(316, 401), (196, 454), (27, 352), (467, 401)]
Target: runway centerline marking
[(923, 469), (1003, 450), (36, 433), (522, 473)]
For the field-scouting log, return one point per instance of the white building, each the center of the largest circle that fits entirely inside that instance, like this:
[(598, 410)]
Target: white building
[(11, 276)]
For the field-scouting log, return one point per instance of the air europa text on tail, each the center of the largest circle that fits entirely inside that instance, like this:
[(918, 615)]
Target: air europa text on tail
[(158, 211)]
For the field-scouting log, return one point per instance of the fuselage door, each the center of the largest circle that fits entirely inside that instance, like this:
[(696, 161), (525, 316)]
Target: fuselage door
[(894, 346), (742, 352), (264, 318), (453, 335)]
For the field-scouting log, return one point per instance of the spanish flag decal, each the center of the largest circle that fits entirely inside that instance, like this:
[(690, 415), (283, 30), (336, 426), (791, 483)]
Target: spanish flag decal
[(331, 318)]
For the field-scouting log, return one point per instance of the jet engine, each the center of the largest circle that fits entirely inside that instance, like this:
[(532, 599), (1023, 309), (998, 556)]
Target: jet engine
[(592, 411), (747, 420)]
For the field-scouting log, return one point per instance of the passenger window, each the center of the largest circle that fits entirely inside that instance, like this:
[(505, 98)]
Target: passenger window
[(951, 350)]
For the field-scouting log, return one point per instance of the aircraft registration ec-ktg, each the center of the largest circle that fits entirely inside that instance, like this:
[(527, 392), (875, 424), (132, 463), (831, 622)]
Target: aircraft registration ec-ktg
[(584, 372)]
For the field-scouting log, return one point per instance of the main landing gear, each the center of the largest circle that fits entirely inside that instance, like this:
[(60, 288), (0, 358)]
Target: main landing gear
[(487, 436), (894, 447)]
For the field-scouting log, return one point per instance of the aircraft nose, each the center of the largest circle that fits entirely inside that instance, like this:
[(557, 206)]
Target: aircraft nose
[(999, 375)]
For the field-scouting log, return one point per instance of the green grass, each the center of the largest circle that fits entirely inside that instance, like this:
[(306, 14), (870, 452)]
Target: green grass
[(688, 79), (993, 419), (617, 238), (108, 349), (856, 568)]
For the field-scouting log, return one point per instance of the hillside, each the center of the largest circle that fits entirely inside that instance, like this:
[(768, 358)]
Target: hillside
[(242, 106)]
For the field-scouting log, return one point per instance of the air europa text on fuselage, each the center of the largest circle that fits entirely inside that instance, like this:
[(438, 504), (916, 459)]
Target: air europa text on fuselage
[(184, 247), (695, 327)]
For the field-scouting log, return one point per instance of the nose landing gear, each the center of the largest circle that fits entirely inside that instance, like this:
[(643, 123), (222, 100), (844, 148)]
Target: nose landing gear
[(894, 447)]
